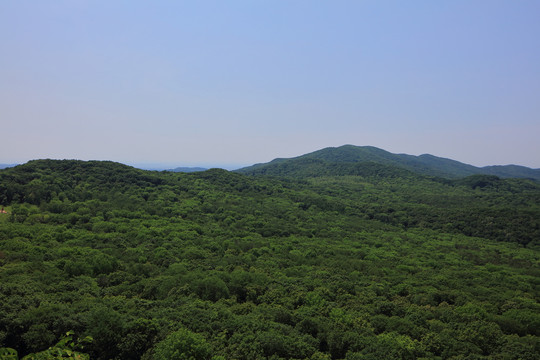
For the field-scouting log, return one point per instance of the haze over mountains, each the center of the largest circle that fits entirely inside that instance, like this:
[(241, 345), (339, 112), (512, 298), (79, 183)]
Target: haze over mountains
[(356, 160), (363, 160), (188, 169)]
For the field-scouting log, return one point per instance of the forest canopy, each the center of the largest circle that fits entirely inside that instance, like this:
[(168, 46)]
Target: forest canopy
[(353, 262)]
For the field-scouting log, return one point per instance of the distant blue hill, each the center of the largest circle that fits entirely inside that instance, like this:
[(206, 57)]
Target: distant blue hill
[(357, 160), (187, 169), (3, 166)]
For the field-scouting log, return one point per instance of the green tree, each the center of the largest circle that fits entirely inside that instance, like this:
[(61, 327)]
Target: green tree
[(66, 349), (183, 345)]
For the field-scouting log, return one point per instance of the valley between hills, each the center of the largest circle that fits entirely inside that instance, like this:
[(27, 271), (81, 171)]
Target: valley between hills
[(344, 253)]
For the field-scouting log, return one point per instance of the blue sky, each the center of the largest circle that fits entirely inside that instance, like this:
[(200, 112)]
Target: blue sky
[(231, 83)]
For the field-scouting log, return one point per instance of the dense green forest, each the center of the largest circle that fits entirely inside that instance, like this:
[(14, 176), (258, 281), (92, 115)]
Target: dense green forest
[(322, 261), (425, 164)]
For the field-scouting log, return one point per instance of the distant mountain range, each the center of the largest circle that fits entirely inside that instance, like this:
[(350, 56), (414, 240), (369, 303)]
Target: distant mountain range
[(187, 169), (369, 160)]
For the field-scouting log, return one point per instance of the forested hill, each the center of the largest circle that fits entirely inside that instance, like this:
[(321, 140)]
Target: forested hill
[(348, 154), (312, 167), (403, 198), (376, 263)]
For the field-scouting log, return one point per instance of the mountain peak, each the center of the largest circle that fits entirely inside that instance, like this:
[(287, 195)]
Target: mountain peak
[(425, 164)]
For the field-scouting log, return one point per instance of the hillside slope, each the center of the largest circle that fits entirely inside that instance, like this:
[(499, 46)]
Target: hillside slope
[(385, 265), (424, 164)]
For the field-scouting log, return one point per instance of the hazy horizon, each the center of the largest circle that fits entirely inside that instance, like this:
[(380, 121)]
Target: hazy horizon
[(159, 166), (237, 83)]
